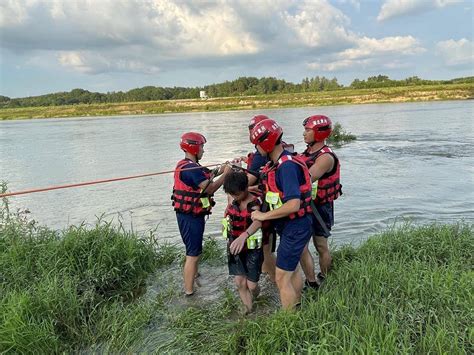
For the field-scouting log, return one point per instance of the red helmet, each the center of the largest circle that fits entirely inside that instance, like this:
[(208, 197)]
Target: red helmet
[(257, 119), (321, 126), (265, 134), (191, 141)]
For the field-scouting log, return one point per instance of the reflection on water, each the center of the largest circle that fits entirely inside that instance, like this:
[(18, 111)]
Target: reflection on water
[(411, 162)]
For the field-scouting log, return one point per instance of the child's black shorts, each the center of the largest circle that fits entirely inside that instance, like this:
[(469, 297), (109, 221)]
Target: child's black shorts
[(247, 263)]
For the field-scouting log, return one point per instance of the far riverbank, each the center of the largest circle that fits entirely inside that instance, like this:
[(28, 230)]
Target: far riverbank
[(323, 98)]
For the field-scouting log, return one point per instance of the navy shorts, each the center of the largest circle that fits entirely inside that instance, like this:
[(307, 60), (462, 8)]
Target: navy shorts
[(294, 236), (247, 263), (191, 228), (326, 211)]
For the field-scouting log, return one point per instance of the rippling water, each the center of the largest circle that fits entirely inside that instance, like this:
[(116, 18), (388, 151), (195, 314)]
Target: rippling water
[(411, 162)]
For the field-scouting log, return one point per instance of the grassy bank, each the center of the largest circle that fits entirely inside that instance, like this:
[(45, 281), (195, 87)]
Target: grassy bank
[(324, 98), (407, 290)]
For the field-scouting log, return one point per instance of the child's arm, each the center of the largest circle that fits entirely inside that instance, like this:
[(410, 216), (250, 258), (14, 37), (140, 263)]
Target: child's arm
[(238, 244)]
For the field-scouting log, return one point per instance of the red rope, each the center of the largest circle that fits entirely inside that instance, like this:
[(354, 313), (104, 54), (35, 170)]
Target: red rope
[(8, 194)]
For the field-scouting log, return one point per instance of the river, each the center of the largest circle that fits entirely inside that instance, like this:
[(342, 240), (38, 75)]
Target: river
[(411, 162)]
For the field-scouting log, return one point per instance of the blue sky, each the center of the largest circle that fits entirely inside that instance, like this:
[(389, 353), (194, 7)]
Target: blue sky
[(111, 45)]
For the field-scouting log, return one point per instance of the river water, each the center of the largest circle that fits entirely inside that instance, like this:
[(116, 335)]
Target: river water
[(411, 162)]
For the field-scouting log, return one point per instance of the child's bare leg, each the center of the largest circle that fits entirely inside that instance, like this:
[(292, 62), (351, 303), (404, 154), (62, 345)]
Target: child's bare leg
[(253, 288), (244, 292)]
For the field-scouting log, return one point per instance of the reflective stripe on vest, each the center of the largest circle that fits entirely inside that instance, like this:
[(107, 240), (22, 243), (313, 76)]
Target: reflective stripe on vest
[(272, 190), (329, 187), (187, 199)]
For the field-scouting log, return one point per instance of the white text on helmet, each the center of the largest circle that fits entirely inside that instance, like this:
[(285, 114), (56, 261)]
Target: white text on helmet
[(320, 121)]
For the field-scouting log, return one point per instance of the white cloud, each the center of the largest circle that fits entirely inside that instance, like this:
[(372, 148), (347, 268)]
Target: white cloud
[(458, 54), (95, 36), (151, 36), (319, 25), (94, 63), (354, 3), (382, 53), (13, 12), (396, 8)]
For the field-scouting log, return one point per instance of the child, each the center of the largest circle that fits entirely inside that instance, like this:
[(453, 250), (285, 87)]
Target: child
[(245, 253)]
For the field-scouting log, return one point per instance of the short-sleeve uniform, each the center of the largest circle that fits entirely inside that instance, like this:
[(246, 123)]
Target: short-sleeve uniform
[(191, 227), (294, 233)]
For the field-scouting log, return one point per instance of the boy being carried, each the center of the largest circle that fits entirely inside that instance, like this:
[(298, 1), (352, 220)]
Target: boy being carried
[(244, 251)]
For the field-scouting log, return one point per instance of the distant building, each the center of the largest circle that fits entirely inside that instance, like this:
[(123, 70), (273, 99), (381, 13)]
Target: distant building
[(203, 95)]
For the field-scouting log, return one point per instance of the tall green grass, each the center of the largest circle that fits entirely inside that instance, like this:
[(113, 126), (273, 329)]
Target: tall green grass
[(408, 290), (78, 288)]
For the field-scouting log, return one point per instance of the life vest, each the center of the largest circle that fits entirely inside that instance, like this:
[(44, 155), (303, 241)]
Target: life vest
[(187, 199), (240, 220), (329, 185), (237, 221), (274, 196)]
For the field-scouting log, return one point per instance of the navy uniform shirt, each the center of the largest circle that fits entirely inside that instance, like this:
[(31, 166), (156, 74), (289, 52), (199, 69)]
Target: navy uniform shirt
[(258, 162), (289, 177), (192, 177)]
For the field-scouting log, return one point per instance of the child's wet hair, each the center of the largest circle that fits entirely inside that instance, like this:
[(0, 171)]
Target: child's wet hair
[(236, 181)]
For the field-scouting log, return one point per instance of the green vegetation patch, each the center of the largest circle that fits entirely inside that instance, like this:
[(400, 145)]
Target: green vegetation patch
[(268, 100), (66, 290), (339, 136), (408, 290)]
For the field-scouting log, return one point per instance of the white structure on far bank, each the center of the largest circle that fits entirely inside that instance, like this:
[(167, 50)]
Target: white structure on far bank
[(203, 95)]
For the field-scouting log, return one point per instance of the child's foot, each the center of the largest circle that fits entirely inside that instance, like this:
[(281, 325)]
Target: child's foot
[(256, 292), (244, 310), (188, 293)]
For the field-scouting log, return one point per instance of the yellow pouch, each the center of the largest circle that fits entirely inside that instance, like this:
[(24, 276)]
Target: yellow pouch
[(255, 240), (273, 199), (225, 228), (314, 190), (205, 202), (251, 242)]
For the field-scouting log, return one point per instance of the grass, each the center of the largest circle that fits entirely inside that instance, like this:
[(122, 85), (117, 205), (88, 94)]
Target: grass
[(407, 290), (324, 98)]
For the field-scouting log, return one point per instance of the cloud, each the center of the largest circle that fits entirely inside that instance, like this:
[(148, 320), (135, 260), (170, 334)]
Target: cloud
[(457, 54), (382, 53), (397, 8), (94, 63), (150, 36), (318, 25), (353, 3), (98, 36)]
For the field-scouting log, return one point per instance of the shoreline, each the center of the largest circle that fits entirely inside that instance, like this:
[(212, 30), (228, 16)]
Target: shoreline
[(424, 93), (105, 290)]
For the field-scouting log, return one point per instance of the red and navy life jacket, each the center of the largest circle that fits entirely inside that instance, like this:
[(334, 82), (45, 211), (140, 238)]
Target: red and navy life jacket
[(329, 185), (240, 220), (269, 181), (187, 199)]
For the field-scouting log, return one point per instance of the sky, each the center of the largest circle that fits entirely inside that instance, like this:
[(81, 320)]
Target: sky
[(111, 45)]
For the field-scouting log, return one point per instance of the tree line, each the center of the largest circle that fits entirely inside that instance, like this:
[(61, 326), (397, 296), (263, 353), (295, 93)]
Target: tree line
[(244, 86)]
